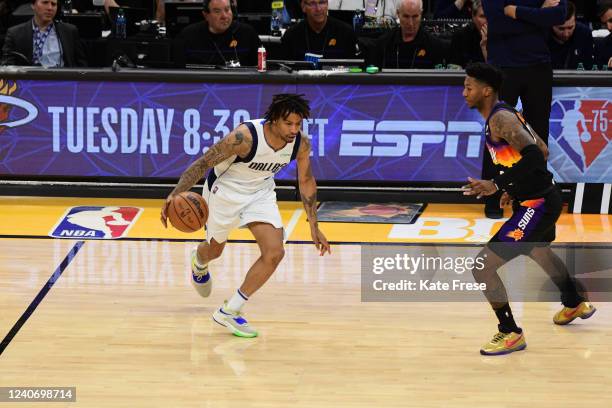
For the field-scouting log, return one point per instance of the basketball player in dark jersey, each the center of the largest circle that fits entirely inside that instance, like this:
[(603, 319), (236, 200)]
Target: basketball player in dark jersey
[(520, 159)]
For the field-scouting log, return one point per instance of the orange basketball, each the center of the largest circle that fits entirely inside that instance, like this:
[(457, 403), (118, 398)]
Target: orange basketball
[(188, 212)]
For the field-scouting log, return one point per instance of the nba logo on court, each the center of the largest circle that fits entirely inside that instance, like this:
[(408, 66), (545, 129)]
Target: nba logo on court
[(92, 222)]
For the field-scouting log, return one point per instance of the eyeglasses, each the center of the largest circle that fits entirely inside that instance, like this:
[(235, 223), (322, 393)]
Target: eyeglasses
[(314, 3)]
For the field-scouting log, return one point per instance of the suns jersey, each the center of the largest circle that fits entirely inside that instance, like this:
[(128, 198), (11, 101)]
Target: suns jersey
[(255, 171), (504, 156)]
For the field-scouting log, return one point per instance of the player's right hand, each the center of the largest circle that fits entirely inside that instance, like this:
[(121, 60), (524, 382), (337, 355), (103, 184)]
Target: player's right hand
[(164, 212)]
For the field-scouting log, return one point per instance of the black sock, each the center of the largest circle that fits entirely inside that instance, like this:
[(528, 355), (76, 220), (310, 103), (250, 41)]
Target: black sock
[(506, 320), (569, 293)]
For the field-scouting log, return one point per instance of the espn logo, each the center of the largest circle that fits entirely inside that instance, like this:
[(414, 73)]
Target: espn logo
[(396, 138)]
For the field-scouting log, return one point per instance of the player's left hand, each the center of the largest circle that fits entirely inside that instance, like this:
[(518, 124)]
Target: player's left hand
[(320, 241), (479, 188)]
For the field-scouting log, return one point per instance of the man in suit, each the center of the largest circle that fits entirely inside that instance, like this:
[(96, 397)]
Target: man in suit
[(42, 41)]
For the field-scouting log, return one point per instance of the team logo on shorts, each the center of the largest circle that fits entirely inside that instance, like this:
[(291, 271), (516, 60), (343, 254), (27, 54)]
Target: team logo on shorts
[(516, 235), (530, 213), (92, 222)]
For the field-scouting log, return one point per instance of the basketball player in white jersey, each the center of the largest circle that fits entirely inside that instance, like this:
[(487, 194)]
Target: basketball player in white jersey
[(239, 190)]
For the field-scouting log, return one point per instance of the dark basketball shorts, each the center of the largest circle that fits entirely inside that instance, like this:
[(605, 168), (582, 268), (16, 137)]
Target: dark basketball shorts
[(532, 224)]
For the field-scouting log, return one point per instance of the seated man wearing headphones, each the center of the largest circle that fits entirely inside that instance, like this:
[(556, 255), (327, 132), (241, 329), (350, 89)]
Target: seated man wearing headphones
[(218, 40)]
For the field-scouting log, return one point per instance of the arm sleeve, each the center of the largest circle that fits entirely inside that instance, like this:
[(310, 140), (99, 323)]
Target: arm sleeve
[(543, 17), (531, 158)]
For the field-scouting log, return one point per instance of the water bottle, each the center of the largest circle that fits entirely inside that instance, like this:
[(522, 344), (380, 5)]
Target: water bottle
[(120, 25), (261, 59)]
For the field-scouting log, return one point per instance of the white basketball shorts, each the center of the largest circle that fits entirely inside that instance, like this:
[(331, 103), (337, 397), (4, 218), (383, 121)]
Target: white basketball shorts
[(229, 209)]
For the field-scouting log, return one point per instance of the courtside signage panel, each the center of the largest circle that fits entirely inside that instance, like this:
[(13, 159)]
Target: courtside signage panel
[(359, 132)]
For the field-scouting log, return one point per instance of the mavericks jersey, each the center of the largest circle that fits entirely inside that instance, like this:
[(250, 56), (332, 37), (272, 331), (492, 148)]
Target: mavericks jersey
[(256, 171), (537, 182)]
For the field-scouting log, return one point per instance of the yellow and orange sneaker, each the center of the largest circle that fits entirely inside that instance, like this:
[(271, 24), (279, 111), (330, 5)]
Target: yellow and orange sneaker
[(504, 343), (566, 315)]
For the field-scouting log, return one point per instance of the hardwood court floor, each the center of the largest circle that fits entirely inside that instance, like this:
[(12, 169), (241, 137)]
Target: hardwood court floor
[(123, 325)]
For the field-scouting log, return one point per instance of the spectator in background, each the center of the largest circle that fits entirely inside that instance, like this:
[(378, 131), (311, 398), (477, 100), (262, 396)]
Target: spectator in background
[(571, 43), (219, 40), (517, 42), (409, 45), (452, 9), (469, 44), (42, 41), (319, 34), (603, 46)]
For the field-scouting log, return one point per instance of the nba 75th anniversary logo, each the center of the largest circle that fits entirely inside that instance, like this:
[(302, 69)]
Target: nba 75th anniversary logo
[(581, 138)]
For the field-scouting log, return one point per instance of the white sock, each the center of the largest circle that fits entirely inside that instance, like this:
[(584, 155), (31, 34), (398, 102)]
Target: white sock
[(237, 301), (200, 265)]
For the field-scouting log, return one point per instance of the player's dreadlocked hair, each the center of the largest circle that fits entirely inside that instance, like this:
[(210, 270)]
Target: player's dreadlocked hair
[(285, 104)]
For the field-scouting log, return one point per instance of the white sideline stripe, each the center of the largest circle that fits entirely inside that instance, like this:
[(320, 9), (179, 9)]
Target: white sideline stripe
[(605, 199), (578, 198), (292, 223)]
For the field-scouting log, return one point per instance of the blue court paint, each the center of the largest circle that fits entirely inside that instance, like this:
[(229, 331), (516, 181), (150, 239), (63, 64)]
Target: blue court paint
[(41, 295)]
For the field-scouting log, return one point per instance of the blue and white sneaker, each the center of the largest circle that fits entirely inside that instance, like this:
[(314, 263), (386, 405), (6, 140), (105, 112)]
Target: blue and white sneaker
[(200, 278), (234, 322)]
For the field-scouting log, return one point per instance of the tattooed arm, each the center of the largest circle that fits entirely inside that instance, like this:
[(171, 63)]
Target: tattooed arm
[(308, 193), (505, 125), (238, 142)]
